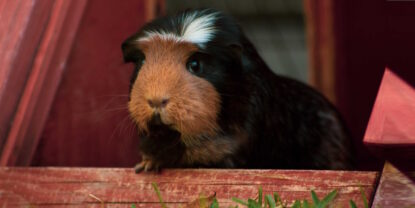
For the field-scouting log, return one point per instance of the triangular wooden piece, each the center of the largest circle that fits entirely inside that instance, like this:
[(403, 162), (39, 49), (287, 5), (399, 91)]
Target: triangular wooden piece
[(395, 188), (391, 126)]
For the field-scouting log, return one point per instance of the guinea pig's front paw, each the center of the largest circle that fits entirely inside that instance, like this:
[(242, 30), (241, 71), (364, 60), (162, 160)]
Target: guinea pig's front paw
[(146, 165)]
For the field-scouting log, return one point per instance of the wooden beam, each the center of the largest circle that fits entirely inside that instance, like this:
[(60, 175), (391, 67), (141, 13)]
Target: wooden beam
[(117, 186), (42, 83), (321, 45)]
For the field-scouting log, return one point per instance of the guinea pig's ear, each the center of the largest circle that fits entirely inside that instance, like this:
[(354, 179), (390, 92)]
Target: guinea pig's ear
[(130, 51)]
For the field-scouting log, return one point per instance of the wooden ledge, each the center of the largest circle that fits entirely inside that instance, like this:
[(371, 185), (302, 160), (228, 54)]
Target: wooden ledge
[(121, 186)]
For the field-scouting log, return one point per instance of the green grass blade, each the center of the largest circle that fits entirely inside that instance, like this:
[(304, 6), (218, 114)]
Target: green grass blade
[(297, 204), (326, 200), (215, 203), (239, 201), (260, 196), (352, 204), (270, 201), (277, 199), (306, 204), (315, 198), (133, 206), (364, 198), (163, 205), (253, 204)]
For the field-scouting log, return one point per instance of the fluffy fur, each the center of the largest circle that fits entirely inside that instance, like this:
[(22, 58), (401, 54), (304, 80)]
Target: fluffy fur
[(219, 105)]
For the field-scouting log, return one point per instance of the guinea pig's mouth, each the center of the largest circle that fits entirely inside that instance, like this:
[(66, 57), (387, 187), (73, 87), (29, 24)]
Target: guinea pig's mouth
[(156, 120), (156, 123)]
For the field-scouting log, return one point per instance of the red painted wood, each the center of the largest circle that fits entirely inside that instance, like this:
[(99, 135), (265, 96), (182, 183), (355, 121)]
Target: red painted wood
[(393, 115), (395, 189), (22, 23), (115, 187), (321, 45), (49, 63), (88, 123), (370, 35), (390, 132)]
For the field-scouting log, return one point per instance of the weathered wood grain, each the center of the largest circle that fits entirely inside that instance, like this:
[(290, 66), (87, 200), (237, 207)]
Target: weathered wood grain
[(22, 23), (118, 187), (395, 189), (47, 68)]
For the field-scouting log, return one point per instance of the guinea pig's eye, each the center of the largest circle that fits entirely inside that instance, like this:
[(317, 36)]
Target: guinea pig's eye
[(194, 66)]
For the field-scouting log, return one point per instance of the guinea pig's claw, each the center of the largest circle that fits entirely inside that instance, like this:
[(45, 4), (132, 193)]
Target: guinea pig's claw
[(138, 168), (146, 165)]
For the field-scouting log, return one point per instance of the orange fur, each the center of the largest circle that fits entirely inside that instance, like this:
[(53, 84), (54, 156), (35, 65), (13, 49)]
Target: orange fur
[(193, 102)]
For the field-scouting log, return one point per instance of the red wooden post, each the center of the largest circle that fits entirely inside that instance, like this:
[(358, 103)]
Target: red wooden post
[(320, 20)]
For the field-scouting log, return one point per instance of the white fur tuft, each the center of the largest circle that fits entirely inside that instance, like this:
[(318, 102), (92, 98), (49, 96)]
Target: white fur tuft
[(199, 30), (195, 29)]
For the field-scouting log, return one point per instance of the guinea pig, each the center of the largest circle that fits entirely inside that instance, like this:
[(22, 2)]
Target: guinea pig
[(201, 96)]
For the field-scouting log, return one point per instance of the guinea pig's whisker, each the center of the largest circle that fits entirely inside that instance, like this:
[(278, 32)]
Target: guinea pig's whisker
[(132, 126), (115, 109), (112, 105), (116, 95), (121, 128), (118, 127)]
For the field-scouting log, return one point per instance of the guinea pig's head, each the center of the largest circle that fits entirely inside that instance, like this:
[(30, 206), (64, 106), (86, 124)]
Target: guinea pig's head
[(183, 65)]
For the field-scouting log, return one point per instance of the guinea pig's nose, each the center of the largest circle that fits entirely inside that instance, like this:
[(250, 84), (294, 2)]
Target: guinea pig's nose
[(158, 102)]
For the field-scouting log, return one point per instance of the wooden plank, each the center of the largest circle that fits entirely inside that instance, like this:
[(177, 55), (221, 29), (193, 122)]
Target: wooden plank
[(390, 131), (45, 75), (395, 189), (22, 23), (118, 186)]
